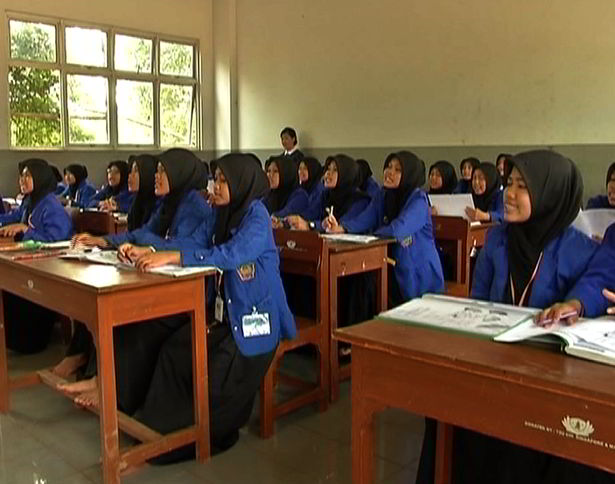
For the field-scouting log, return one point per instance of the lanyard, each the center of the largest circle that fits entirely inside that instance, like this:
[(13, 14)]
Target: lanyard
[(524, 294), (219, 275)]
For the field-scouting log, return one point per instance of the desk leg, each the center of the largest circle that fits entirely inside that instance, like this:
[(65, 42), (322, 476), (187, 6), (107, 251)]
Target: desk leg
[(108, 402), (4, 374), (382, 284), (200, 376), (444, 453), (334, 357)]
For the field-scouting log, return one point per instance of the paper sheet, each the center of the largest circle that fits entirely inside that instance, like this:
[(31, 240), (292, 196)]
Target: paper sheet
[(352, 238), (452, 205), (594, 222)]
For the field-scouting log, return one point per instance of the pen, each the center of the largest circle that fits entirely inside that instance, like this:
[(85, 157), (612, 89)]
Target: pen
[(563, 316), (38, 255)]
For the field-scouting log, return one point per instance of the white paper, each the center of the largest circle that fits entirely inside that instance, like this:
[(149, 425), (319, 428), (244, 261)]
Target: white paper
[(594, 222), (352, 238), (452, 205), (460, 314)]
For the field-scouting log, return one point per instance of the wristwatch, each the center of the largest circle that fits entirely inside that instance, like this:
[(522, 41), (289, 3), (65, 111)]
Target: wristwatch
[(312, 226)]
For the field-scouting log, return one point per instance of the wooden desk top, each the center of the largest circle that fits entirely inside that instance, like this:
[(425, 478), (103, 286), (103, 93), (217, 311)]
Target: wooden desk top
[(95, 277), (519, 363), (349, 247)]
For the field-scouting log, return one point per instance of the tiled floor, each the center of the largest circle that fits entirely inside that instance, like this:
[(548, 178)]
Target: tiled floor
[(45, 439)]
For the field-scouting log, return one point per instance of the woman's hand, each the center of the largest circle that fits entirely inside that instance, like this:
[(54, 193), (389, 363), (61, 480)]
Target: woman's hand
[(276, 223), (434, 211), (477, 215), (610, 295), (134, 253), (331, 225), (12, 230), (297, 223), (108, 205), (88, 240), (157, 259), (567, 312)]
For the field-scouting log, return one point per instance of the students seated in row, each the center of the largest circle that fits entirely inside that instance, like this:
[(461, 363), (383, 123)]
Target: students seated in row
[(534, 259), (442, 178), (341, 196), (500, 163), (80, 190), (28, 326), (288, 138), (114, 196), (466, 168), (487, 195), (400, 210), (80, 351), (285, 195), (366, 180), (608, 200), (244, 333), (310, 178)]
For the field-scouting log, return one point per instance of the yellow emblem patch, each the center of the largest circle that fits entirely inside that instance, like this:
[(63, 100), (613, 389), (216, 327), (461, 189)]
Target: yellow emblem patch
[(246, 271)]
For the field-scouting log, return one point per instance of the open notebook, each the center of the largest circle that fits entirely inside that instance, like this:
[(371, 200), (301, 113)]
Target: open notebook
[(592, 339), (109, 257)]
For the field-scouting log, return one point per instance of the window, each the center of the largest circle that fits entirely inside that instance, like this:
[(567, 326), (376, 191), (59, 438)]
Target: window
[(84, 85)]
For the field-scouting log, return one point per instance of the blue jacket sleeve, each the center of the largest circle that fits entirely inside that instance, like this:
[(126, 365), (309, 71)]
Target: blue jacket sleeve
[(84, 194), (484, 271), (410, 220), (124, 200), (366, 221), (51, 225), (296, 204), (12, 217), (99, 196), (497, 208), (247, 244)]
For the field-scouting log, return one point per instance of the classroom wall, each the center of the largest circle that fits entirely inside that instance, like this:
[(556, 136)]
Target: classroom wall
[(186, 18), (450, 78)]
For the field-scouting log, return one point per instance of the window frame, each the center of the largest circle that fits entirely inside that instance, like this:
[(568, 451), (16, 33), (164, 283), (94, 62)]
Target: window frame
[(112, 75)]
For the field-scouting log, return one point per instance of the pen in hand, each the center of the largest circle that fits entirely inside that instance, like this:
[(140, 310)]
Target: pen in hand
[(550, 321)]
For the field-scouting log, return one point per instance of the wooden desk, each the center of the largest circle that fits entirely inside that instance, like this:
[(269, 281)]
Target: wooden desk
[(344, 260), (517, 392), (457, 238), (97, 223), (103, 297)]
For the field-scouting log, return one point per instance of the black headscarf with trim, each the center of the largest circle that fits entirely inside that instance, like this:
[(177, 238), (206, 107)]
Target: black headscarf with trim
[(449, 178), (246, 181), (494, 182), (44, 181), (346, 192), (124, 169), (289, 181), (412, 177), (314, 169), (185, 172), (80, 172), (555, 187), (145, 199)]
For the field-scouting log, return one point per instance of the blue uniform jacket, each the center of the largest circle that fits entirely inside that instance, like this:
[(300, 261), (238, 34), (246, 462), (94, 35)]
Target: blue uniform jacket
[(599, 201), (496, 210), (123, 199), (61, 189), (418, 269), (314, 197), (297, 202), (564, 260), (316, 213), (192, 212), (85, 191), (252, 281), (49, 221), (372, 188), (15, 215)]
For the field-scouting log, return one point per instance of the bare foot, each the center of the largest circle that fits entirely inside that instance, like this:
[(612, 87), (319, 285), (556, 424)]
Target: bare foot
[(79, 386), (88, 399), (69, 365)]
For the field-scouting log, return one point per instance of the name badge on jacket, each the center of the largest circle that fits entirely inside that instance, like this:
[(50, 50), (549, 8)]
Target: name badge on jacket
[(255, 324), (246, 271)]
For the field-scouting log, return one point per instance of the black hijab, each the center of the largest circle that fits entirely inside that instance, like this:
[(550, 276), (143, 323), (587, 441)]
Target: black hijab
[(314, 169), (185, 172), (145, 200), (80, 172), (473, 161), (247, 182), (44, 181), (124, 169), (289, 181), (555, 186), (412, 177), (494, 182), (346, 192), (364, 173), (56, 173), (609, 173), (449, 178)]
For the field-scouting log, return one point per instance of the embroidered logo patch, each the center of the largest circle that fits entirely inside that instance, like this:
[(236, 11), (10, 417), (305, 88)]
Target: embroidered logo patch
[(407, 242), (246, 271)]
